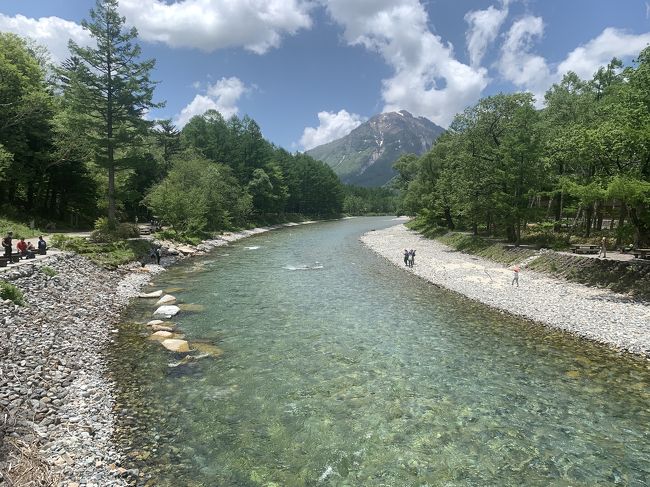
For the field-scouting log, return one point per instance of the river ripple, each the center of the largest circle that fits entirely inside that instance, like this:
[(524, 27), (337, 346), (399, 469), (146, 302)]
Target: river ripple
[(340, 369)]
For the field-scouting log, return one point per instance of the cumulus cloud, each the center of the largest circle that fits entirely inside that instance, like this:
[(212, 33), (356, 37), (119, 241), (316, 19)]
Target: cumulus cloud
[(585, 60), (51, 32), (256, 25), (221, 96), (532, 72), (484, 26), (331, 126), (427, 80), (518, 64)]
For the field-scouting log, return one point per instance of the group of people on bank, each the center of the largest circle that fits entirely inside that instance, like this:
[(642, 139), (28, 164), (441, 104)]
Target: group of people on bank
[(23, 248), (409, 257)]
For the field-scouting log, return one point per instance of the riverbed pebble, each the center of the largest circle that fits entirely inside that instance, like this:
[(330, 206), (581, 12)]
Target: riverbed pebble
[(55, 392), (594, 313)]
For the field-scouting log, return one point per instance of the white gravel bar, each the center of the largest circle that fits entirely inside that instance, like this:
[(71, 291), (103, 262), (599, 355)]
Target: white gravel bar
[(593, 313)]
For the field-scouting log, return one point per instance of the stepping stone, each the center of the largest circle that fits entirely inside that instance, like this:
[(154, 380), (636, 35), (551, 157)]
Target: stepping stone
[(167, 311), (155, 294), (166, 299)]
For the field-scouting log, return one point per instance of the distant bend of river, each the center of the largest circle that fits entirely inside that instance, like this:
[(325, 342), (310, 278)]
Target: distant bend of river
[(340, 369)]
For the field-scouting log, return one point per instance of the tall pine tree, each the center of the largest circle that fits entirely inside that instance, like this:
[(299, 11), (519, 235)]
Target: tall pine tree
[(110, 91)]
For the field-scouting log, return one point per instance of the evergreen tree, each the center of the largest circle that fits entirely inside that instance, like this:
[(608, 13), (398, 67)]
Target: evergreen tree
[(110, 90)]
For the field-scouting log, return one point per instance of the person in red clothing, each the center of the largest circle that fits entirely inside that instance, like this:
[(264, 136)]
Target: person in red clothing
[(22, 247)]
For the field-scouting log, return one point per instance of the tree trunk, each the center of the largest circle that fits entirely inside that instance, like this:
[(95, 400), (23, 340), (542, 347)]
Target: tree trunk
[(599, 216), (511, 235), (559, 202), (518, 232), (621, 222), (640, 229), (475, 228), (448, 218), (589, 213)]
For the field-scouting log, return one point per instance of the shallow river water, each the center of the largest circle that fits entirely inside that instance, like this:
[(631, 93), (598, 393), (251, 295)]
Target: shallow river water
[(340, 369)]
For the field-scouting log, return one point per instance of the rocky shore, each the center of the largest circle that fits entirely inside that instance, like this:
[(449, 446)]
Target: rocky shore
[(56, 403), (593, 313)]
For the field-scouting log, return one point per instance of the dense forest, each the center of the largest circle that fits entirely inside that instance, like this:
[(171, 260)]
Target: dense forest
[(579, 166), (76, 145)]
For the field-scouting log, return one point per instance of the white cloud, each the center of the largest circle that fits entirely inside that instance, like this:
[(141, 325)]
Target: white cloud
[(484, 26), (51, 32), (533, 73), (222, 96), (428, 80), (517, 64), (331, 126), (257, 25), (585, 60)]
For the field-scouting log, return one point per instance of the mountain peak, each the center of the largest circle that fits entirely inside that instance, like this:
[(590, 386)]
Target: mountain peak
[(366, 155)]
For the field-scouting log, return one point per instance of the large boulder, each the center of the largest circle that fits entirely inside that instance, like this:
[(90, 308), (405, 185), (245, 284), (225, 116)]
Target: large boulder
[(166, 299), (155, 294), (175, 345), (167, 311)]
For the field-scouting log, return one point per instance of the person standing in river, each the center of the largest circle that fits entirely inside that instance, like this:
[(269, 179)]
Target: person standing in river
[(412, 258), (406, 257)]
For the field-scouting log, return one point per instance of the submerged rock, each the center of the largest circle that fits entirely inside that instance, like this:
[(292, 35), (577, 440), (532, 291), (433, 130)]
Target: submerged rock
[(192, 307), (155, 294), (161, 335), (155, 322), (176, 345), (166, 299), (162, 327), (207, 349)]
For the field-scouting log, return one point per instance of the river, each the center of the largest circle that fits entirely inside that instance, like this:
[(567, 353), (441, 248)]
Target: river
[(338, 368)]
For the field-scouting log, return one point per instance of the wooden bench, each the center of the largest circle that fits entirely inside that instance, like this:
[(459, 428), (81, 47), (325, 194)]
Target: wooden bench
[(585, 249), (641, 253)]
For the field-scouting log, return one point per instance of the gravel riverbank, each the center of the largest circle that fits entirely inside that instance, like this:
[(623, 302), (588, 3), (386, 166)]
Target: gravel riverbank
[(593, 313), (56, 403)]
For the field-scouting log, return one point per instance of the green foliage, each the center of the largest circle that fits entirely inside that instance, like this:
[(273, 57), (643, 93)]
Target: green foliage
[(198, 196), (48, 271), (369, 201), (109, 91), (19, 230), (11, 292), (107, 231), (109, 254), (182, 237), (507, 169)]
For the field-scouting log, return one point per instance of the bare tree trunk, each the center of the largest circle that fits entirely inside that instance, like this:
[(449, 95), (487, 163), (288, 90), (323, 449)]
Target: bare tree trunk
[(621, 222)]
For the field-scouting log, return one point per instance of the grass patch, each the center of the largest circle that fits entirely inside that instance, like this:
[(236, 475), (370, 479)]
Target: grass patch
[(472, 244), (182, 237), (19, 230), (109, 254), (11, 292), (48, 271)]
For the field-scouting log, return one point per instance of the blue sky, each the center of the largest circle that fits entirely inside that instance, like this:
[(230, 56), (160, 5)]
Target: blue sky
[(308, 71)]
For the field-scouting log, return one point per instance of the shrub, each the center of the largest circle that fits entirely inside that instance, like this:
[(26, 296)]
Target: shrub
[(48, 271), (11, 292), (105, 231)]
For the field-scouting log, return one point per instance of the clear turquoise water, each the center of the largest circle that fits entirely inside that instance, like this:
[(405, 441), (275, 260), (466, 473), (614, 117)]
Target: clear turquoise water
[(341, 369)]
